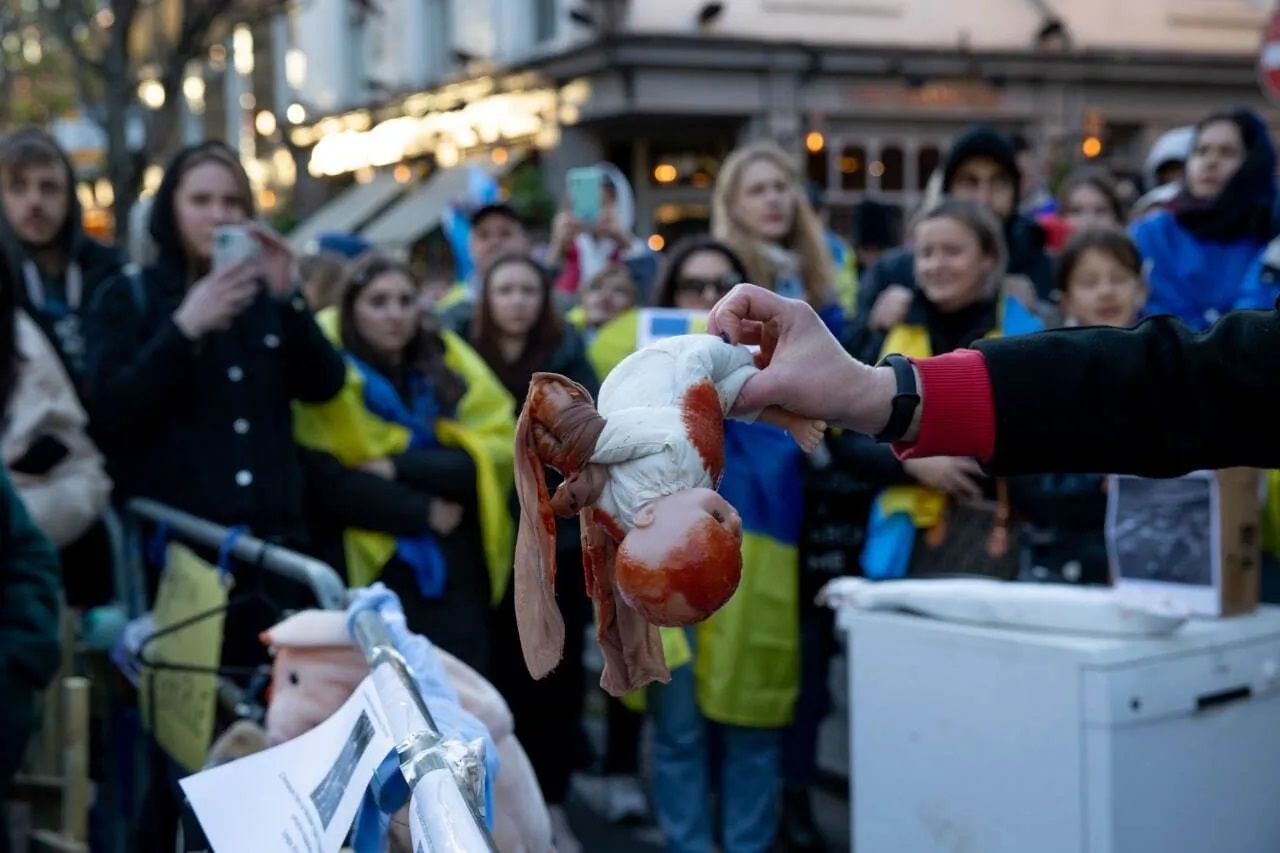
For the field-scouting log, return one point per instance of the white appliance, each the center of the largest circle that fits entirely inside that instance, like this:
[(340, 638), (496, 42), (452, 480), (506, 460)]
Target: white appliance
[(971, 739)]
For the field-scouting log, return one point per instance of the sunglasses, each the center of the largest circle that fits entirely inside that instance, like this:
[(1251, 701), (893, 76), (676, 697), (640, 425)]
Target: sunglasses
[(689, 284)]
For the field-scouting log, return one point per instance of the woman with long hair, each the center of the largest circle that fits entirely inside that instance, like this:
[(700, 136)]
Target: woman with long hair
[(761, 211)]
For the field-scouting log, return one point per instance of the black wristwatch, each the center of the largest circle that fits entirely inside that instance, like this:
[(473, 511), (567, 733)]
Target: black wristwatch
[(905, 401)]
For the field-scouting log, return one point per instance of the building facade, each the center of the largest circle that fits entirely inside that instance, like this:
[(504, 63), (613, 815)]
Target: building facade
[(869, 92)]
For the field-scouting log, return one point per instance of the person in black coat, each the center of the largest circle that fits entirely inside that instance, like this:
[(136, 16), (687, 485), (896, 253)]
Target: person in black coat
[(58, 267), (190, 372), (1157, 400)]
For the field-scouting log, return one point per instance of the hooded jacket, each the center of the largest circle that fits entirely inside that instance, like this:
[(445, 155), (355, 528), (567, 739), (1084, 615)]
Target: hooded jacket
[(1024, 237), (57, 299)]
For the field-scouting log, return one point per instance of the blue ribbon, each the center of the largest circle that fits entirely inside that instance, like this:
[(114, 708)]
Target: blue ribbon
[(227, 547), (157, 546)]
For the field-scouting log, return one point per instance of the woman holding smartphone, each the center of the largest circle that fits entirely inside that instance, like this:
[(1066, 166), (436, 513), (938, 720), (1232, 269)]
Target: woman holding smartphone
[(192, 369)]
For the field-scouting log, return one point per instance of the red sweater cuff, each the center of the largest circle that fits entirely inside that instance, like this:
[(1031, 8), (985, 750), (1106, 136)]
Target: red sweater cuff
[(959, 416)]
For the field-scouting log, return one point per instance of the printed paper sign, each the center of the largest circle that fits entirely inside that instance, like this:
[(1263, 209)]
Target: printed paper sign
[(302, 795), (653, 324), (183, 703)]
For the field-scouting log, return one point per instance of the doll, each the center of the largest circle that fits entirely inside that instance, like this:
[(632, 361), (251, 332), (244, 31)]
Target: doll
[(660, 546)]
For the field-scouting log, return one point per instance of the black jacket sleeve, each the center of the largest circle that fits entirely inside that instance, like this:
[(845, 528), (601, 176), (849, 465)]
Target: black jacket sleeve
[(868, 460), (314, 371), (349, 497), (445, 472), (1157, 400), (135, 378)]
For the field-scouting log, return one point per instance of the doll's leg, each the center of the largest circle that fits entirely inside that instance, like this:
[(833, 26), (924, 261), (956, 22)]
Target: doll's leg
[(805, 431)]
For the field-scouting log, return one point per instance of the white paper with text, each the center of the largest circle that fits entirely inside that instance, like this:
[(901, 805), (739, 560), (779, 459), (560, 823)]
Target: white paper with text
[(298, 797)]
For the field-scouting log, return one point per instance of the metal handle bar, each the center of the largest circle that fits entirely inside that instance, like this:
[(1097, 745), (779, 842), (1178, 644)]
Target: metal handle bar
[(319, 577)]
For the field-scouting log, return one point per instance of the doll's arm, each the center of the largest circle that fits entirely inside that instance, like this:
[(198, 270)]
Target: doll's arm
[(580, 490), (805, 431)]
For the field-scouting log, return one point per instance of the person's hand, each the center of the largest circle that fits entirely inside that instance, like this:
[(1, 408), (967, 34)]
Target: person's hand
[(382, 467), (954, 475), (444, 516), (610, 226), (564, 228), (277, 260), (1022, 289), (804, 369), (218, 298), (890, 307)]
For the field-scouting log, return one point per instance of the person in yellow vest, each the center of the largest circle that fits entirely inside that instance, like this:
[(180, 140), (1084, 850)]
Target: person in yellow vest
[(422, 409)]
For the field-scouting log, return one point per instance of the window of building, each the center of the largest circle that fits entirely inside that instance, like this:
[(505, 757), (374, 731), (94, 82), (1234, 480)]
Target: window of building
[(928, 158), (816, 168), (546, 17), (889, 165), (853, 168)]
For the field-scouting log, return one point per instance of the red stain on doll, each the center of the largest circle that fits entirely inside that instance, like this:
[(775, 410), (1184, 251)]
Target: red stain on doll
[(704, 422)]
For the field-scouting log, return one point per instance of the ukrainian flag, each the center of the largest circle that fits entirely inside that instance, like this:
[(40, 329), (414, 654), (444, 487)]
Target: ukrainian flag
[(748, 654)]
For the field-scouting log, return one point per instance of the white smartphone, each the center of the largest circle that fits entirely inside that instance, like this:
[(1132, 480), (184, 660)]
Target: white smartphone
[(232, 244)]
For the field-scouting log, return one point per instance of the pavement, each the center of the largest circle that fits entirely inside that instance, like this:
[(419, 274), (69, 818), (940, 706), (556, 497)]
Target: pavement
[(830, 798)]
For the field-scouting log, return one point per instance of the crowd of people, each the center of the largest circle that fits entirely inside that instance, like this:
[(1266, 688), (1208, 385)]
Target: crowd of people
[(343, 405)]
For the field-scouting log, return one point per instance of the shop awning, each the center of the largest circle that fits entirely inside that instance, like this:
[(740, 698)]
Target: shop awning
[(405, 222), (349, 210)]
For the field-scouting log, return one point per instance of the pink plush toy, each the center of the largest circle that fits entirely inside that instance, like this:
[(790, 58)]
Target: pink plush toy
[(317, 667)]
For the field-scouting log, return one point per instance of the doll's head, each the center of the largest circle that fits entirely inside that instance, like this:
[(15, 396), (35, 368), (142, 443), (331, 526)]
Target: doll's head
[(683, 559)]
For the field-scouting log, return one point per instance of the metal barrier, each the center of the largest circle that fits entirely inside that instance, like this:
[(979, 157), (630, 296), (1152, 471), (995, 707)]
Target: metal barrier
[(423, 752), (320, 578)]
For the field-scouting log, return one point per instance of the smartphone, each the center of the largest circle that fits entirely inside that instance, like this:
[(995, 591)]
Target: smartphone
[(586, 193), (41, 457), (232, 244)]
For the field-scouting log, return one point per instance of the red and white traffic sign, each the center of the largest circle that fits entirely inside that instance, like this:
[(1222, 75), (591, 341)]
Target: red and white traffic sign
[(1269, 60)]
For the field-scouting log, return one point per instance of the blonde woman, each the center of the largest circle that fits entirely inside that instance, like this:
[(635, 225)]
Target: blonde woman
[(762, 212)]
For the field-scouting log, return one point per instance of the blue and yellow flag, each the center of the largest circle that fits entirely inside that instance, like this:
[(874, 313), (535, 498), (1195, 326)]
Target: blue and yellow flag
[(483, 426)]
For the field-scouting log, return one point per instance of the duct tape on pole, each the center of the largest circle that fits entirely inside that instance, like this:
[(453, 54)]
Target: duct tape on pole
[(1269, 60)]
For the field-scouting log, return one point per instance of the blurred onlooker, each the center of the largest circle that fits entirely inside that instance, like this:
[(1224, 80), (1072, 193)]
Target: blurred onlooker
[(58, 266), (190, 372), (518, 332), (981, 166), (320, 276), (1200, 251), (1163, 171), (735, 678), (496, 230), (872, 233), (420, 409), (582, 249), (605, 296), (29, 634), (760, 209), (1034, 199), (1088, 199), (1062, 516), (51, 462)]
